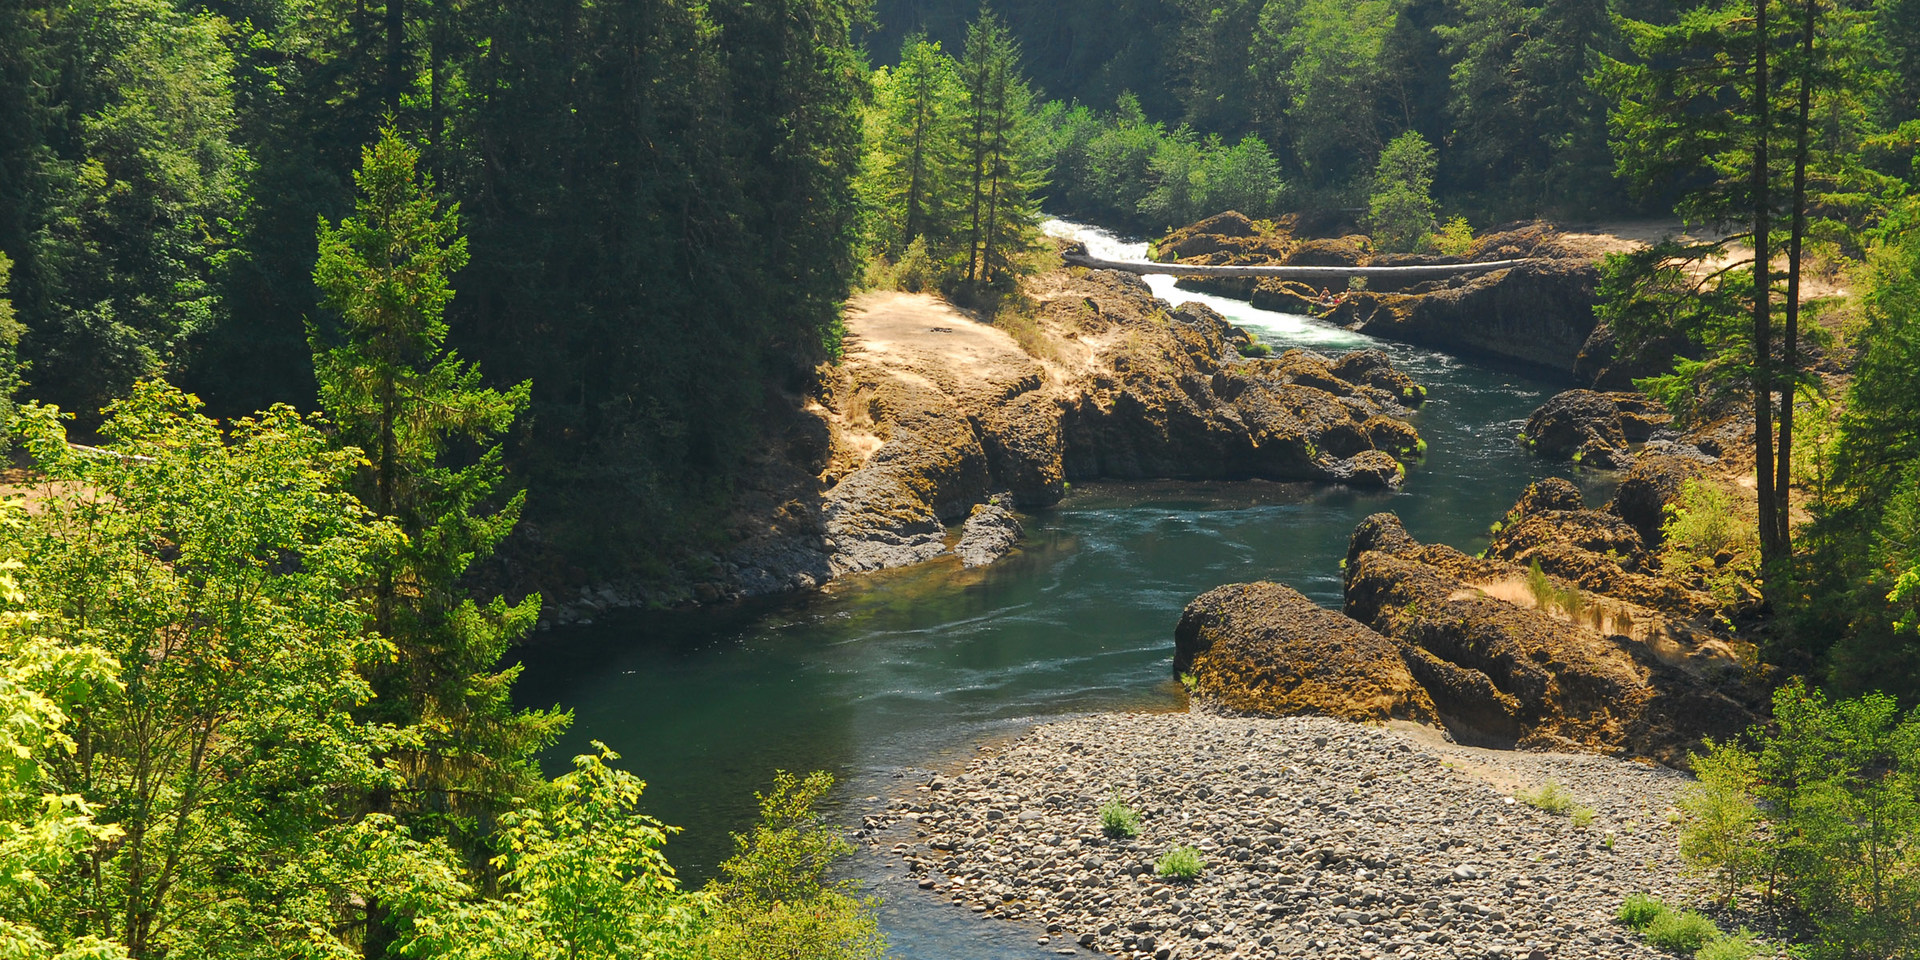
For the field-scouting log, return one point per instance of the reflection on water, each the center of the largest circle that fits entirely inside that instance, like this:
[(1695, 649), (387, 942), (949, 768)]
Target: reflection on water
[(915, 666)]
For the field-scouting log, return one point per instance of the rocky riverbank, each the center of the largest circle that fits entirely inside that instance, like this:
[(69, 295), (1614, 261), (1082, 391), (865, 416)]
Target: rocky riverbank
[(932, 412), (1321, 838), (1538, 314)]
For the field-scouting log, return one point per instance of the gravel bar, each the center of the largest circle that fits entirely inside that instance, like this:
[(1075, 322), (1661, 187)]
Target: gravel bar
[(1322, 838)]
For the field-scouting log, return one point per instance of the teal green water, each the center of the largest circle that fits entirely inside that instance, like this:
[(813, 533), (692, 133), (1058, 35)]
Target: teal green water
[(915, 667)]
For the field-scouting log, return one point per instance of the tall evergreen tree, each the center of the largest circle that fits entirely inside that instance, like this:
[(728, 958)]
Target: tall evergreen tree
[(916, 128), (1002, 151), (1714, 99), (430, 432)]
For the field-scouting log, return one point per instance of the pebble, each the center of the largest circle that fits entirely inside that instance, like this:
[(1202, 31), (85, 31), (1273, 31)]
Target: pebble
[(1321, 838)]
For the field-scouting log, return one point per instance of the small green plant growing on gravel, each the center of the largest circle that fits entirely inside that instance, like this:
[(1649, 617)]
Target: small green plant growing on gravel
[(1549, 796), (1681, 931), (1117, 819), (1733, 946), (1639, 910), (1180, 863), (1583, 818)]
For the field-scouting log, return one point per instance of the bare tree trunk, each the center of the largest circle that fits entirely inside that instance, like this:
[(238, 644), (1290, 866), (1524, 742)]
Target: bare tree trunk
[(396, 52), (1763, 454), (1790, 349)]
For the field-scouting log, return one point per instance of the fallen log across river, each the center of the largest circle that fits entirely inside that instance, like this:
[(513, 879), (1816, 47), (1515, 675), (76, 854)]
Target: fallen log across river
[(1421, 271)]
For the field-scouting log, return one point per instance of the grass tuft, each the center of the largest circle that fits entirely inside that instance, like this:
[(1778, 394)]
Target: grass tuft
[(1180, 863), (1118, 820), (1549, 796)]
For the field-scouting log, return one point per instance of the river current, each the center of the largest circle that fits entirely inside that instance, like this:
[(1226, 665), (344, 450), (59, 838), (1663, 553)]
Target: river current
[(913, 668)]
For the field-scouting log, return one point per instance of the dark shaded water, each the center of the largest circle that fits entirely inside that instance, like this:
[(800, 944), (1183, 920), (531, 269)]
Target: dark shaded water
[(917, 666)]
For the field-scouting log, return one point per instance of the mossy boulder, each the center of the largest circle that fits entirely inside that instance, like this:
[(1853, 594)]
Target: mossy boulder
[(1593, 428), (1509, 672), (1264, 648)]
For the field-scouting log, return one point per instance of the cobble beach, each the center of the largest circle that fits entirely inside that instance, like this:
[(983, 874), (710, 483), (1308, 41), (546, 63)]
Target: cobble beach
[(1320, 838)]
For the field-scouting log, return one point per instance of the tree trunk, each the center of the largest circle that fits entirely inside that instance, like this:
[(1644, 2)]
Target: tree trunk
[(1790, 349), (1763, 454), (396, 47)]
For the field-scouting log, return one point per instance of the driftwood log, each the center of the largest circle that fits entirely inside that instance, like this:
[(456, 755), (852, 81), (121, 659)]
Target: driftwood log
[(1413, 272)]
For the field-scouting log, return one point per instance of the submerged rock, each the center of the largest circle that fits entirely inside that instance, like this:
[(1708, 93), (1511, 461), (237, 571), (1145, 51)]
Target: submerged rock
[(991, 532), (1264, 648)]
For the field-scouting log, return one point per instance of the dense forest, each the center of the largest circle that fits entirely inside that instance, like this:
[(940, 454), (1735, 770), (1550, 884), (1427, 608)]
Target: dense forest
[(312, 311), (656, 195), (1501, 88)]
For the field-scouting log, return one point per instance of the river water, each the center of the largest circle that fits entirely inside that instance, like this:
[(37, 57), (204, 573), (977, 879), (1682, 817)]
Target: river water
[(914, 668)]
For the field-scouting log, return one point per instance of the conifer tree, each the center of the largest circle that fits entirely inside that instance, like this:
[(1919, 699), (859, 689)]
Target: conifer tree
[(1001, 147), (1400, 206), (917, 144), (393, 388), (1670, 122)]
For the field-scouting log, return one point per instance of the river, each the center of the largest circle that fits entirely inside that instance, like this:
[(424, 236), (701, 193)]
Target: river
[(915, 667)]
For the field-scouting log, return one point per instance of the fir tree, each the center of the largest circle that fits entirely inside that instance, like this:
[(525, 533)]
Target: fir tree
[(1004, 173), (394, 390), (917, 142)]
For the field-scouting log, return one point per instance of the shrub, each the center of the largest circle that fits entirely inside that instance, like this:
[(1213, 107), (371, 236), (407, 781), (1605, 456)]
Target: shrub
[(1706, 538), (1454, 238), (916, 270), (1549, 796), (1826, 801), (775, 897), (1639, 910), (1720, 833), (1117, 819), (1736, 946), (1255, 349), (1681, 931), (1180, 863)]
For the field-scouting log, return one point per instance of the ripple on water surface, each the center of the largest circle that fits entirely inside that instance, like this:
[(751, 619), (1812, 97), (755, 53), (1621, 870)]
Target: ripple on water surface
[(913, 666)]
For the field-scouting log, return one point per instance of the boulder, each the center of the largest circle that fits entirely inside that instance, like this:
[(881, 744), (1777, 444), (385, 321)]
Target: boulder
[(1227, 238), (991, 532), (1653, 482), (1507, 672), (1264, 648), (1349, 251), (1593, 429), (1284, 296), (1539, 314)]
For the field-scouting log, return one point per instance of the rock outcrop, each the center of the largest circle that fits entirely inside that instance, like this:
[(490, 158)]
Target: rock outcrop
[(1164, 394), (1263, 648), (1539, 314), (991, 532), (1505, 667), (931, 410), (1593, 429)]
